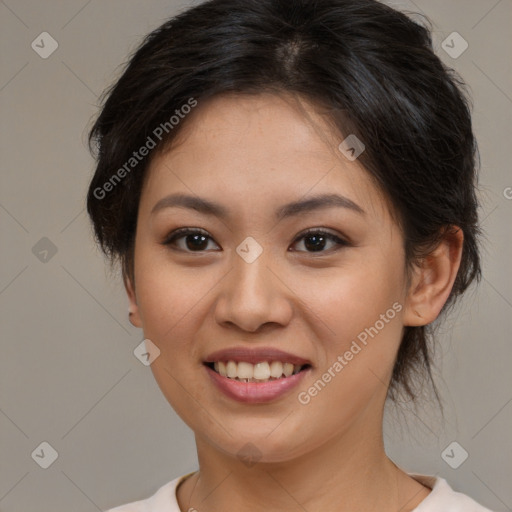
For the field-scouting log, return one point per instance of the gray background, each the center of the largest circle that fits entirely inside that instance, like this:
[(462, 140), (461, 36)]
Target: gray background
[(68, 375)]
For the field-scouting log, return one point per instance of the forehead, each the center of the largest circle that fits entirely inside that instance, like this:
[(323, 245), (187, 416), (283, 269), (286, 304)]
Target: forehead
[(259, 148)]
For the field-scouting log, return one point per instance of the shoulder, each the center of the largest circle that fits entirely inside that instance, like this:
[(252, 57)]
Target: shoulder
[(164, 500), (443, 497)]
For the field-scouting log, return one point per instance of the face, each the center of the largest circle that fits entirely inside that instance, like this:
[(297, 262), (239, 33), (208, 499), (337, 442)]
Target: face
[(322, 281)]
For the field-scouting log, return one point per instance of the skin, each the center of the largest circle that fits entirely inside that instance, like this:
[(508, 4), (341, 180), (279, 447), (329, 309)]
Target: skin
[(253, 154)]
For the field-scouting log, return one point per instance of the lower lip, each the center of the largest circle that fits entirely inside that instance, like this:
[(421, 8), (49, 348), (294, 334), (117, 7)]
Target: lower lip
[(255, 392)]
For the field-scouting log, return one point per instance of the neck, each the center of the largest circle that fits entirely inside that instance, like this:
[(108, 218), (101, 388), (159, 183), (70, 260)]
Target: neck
[(350, 472)]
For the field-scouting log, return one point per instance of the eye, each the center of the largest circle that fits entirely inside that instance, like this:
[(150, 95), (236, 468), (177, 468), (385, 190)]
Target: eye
[(315, 240), (196, 240)]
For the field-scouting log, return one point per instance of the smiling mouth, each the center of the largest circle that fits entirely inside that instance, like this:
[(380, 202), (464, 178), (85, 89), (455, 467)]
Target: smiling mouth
[(263, 371)]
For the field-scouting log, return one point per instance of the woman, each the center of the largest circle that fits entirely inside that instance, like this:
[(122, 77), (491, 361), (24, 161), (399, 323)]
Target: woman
[(290, 190)]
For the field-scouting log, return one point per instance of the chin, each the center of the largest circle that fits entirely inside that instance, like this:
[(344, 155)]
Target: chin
[(258, 446)]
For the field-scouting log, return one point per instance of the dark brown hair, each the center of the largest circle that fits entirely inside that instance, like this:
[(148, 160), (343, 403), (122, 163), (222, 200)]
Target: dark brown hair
[(369, 66)]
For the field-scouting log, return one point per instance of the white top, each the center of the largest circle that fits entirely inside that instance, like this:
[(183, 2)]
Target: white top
[(442, 498)]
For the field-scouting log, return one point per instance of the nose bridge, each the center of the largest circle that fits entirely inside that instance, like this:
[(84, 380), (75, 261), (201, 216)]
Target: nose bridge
[(251, 278), (251, 295)]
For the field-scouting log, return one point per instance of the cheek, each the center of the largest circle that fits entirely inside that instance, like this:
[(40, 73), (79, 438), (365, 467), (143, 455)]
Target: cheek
[(168, 292), (171, 302), (170, 299), (362, 305), (353, 297)]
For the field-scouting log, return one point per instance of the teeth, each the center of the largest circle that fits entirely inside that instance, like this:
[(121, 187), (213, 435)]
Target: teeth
[(276, 369), (244, 370), (287, 369), (260, 372), (231, 369)]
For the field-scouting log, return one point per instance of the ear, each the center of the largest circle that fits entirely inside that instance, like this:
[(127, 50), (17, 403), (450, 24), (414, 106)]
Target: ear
[(133, 306), (433, 280)]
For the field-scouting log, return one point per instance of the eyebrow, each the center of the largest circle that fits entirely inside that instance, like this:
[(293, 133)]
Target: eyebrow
[(295, 208)]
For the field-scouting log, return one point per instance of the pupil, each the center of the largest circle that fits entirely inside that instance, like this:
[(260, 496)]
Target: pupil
[(318, 245), (201, 239)]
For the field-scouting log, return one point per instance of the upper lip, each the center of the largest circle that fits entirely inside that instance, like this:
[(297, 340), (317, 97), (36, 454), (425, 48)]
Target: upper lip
[(255, 355)]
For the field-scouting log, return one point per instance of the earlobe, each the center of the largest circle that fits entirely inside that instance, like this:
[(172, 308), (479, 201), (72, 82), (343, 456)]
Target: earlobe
[(133, 308), (433, 280)]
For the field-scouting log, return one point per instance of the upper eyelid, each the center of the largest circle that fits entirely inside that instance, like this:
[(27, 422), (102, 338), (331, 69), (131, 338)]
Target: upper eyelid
[(186, 231), (317, 230)]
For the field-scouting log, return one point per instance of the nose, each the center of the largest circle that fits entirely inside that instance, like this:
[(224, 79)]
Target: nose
[(253, 296)]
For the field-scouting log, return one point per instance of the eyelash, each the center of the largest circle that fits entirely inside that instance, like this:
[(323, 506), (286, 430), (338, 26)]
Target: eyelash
[(182, 232)]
